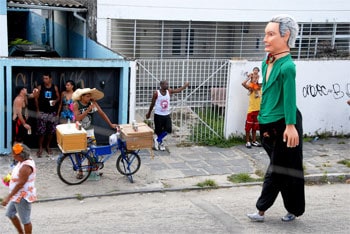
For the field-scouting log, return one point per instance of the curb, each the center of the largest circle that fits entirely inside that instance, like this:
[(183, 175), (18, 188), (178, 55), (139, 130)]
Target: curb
[(309, 180), (327, 178)]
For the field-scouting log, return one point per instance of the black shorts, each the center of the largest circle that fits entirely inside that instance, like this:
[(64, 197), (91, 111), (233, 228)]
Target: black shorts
[(162, 123)]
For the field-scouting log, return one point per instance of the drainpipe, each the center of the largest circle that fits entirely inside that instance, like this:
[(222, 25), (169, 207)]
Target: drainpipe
[(84, 33), (3, 29)]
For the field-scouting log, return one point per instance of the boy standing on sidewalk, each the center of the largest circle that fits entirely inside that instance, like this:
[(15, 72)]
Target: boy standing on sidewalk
[(252, 124), (162, 119)]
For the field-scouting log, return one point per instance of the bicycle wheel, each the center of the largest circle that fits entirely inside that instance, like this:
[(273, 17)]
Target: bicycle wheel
[(74, 168), (128, 163)]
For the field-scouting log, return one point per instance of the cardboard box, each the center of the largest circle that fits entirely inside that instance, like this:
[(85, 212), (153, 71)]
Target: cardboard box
[(70, 139), (140, 139)]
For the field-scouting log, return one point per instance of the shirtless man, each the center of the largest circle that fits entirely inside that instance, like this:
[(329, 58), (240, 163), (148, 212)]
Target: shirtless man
[(20, 114)]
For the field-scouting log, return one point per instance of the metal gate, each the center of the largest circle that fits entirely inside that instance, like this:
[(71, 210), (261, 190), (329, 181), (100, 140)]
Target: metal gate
[(198, 112)]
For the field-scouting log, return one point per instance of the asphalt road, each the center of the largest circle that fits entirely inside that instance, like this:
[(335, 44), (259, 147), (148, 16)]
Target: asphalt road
[(203, 211)]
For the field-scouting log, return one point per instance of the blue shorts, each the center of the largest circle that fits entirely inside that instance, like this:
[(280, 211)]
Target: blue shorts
[(23, 208)]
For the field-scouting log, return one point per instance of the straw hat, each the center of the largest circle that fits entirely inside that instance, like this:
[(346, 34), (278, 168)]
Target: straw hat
[(95, 94)]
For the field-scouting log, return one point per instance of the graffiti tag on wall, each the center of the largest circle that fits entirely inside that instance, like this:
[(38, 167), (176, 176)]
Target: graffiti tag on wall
[(319, 90), (31, 80)]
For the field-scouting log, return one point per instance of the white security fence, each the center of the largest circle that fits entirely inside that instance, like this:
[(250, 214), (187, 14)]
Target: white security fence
[(197, 112)]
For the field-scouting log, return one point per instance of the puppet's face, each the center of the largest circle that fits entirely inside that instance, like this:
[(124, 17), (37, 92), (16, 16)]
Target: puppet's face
[(274, 42)]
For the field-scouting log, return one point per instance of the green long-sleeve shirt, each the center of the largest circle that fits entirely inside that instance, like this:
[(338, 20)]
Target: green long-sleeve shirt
[(279, 92)]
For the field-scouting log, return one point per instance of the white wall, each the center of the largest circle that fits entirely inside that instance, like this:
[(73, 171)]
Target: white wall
[(3, 29), (224, 10), (323, 88), (4, 39), (218, 10)]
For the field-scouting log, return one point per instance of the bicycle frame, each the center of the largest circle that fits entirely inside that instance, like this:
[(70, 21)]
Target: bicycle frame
[(127, 163)]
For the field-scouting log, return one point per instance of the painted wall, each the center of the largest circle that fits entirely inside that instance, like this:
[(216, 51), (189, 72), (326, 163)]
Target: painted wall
[(60, 33), (94, 50), (67, 42), (98, 51), (323, 89), (219, 10), (36, 27)]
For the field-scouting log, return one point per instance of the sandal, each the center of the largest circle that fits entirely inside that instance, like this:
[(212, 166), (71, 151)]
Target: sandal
[(80, 175), (39, 153), (49, 151)]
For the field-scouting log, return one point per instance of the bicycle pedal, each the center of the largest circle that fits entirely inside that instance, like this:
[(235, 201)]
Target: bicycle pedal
[(95, 167)]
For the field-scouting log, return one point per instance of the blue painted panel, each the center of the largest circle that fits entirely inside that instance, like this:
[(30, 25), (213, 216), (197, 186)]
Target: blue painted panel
[(98, 51), (64, 62), (94, 50), (2, 110), (3, 7), (124, 96), (8, 110), (75, 45)]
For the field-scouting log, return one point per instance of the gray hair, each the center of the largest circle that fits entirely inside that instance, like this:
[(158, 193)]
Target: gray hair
[(287, 23)]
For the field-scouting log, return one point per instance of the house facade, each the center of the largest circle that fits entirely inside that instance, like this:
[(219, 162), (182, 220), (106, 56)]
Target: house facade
[(61, 26)]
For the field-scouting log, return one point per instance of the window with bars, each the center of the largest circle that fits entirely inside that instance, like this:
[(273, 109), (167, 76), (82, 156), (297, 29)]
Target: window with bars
[(189, 41), (220, 40), (176, 42)]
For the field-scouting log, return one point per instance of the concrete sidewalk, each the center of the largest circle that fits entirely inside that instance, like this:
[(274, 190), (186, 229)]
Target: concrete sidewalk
[(183, 167)]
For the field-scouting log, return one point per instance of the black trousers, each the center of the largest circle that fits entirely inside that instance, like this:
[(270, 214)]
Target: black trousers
[(285, 172), (162, 123)]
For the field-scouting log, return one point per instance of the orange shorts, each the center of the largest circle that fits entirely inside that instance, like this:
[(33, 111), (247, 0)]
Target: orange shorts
[(254, 86)]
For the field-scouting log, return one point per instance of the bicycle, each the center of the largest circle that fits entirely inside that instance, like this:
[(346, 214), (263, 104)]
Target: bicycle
[(75, 168)]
